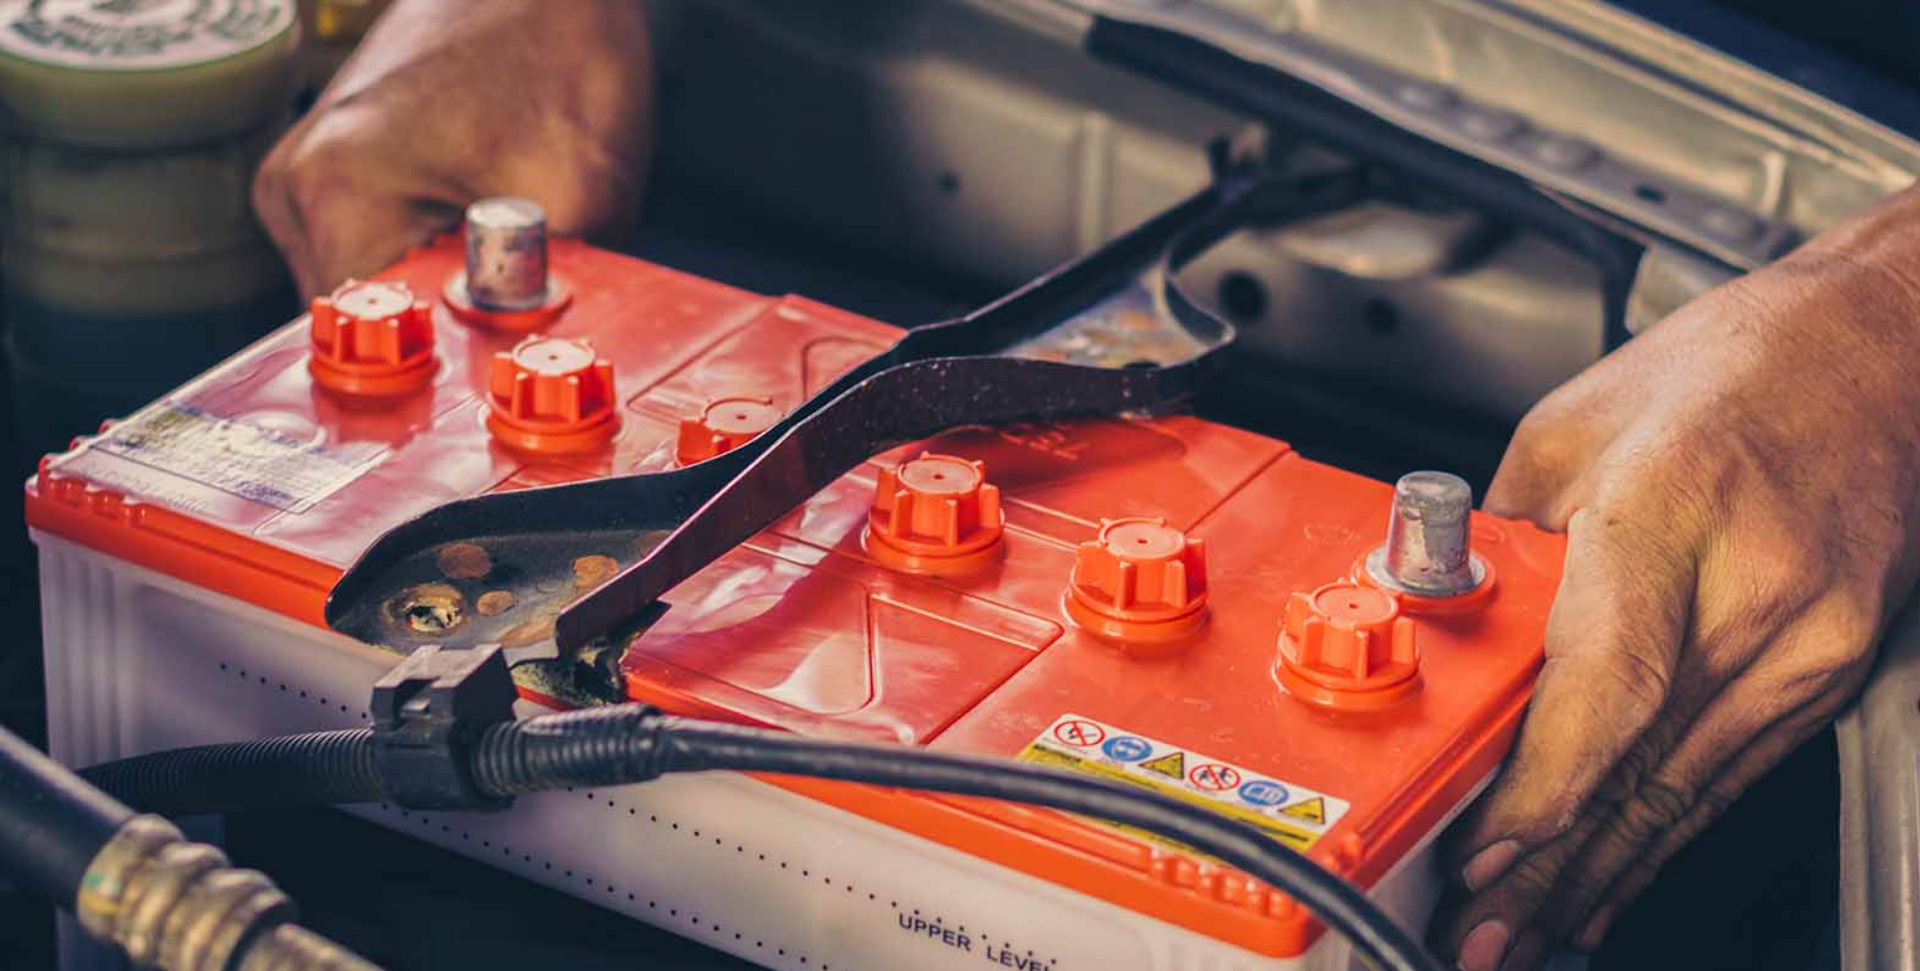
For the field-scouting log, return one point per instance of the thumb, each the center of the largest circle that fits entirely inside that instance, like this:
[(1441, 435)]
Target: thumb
[(1612, 641)]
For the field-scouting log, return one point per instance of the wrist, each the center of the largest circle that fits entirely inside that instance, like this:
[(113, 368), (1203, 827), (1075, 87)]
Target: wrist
[(1861, 283)]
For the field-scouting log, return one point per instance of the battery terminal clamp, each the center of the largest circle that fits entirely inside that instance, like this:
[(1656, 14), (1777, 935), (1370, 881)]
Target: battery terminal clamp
[(429, 713)]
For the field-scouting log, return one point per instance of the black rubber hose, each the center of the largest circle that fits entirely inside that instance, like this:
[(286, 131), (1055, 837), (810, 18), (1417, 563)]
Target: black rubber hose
[(52, 824), (322, 768)]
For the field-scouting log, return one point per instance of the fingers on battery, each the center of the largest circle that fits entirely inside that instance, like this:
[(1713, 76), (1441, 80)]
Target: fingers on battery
[(1746, 727), (330, 225), (1612, 643)]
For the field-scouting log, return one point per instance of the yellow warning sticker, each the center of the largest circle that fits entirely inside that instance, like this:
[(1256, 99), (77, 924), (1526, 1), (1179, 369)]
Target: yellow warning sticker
[(1173, 765), (1312, 810), (1292, 814)]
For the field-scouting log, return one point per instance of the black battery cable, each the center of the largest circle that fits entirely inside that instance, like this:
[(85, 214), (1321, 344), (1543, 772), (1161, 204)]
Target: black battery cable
[(136, 883), (444, 738)]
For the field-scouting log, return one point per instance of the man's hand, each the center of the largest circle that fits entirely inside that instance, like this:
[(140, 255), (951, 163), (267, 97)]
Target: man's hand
[(447, 101), (1739, 488)]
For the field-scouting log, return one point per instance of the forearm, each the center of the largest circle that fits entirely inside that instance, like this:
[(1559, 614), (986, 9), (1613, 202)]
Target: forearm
[(1848, 301)]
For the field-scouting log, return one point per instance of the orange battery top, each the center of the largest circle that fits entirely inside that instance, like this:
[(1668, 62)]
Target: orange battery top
[(1109, 596)]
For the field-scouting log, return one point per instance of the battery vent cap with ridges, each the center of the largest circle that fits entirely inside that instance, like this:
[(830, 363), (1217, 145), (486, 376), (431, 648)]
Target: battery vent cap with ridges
[(935, 515), (1346, 646), (1139, 582), (724, 425), (552, 394), (371, 338)]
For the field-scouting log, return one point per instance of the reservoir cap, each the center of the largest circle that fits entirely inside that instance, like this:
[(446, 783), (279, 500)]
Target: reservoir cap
[(145, 73)]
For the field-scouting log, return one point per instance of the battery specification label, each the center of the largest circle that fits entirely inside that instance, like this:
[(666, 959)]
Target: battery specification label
[(244, 458), (1293, 814)]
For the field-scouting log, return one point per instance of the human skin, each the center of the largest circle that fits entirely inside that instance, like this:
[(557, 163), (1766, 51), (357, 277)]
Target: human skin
[(448, 101), (1738, 486)]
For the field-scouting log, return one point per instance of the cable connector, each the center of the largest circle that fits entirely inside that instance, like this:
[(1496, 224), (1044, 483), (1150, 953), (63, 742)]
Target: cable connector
[(428, 712), (176, 905)]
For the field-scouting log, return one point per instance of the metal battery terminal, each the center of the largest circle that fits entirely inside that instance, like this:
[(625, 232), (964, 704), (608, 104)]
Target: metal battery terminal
[(1428, 557), (506, 284)]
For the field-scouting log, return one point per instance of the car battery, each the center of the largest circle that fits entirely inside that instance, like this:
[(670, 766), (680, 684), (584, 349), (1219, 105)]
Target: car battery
[(1172, 603)]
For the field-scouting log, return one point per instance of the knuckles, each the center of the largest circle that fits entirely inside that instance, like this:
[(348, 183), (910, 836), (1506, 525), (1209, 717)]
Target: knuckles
[(1547, 443), (308, 167), (1534, 874), (1547, 456), (307, 173), (1842, 630), (1656, 807), (1638, 686)]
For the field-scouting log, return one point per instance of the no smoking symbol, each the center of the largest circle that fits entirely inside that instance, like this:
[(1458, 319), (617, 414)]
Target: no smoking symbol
[(1080, 734), (1214, 777)]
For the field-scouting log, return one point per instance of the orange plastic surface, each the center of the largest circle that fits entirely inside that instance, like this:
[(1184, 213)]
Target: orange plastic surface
[(805, 628), (935, 515), (371, 339), (724, 425), (552, 394)]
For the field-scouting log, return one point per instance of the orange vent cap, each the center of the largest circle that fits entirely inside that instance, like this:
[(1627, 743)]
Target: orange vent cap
[(935, 515), (724, 425), (552, 394), (371, 338), (1347, 646), (1140, 581)]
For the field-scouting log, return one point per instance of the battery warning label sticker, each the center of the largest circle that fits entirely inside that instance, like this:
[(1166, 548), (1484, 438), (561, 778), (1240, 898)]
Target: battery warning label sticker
[(1292, 814), (244, 458)]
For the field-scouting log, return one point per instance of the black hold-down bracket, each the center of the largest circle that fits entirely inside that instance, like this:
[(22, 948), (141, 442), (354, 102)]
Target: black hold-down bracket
[(998, 364)]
